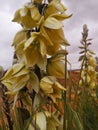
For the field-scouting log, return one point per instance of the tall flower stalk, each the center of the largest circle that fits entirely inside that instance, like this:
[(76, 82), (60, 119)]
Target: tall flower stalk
[(32, 79), (87, 81), (88, 73)]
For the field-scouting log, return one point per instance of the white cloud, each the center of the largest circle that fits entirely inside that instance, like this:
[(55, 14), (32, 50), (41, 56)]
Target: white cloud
[(84, 12), (8, 30)]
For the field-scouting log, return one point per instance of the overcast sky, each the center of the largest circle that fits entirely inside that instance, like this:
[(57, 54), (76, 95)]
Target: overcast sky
[(84, 12)]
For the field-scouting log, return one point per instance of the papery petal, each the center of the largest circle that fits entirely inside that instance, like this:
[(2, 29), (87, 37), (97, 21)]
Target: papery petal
[(40, 119), (35, 13), (23, 11), (52, 23)]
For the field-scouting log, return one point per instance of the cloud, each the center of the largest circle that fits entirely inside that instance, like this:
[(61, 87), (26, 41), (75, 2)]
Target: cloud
[(84, 12), (8, 30)]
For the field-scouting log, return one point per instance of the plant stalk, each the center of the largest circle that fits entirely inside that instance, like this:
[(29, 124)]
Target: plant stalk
[(64, 98)]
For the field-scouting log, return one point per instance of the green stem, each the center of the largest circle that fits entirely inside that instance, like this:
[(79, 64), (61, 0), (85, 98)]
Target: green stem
[(64, 98)]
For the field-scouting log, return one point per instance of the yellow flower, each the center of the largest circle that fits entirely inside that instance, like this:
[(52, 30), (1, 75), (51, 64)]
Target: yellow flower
[(27, 16), (51, 87), (57, 39), (92, 85), (19, 38), (56, 67), (86, 78), (82, 73), (91, 60), (90, 69), (16, 78), (39, 121), (88, 73), (55, 6), (35, 50), (80, 83)]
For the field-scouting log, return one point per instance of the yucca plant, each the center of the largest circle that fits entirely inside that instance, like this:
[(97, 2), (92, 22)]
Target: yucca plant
[(32, 85), (87, 84)]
